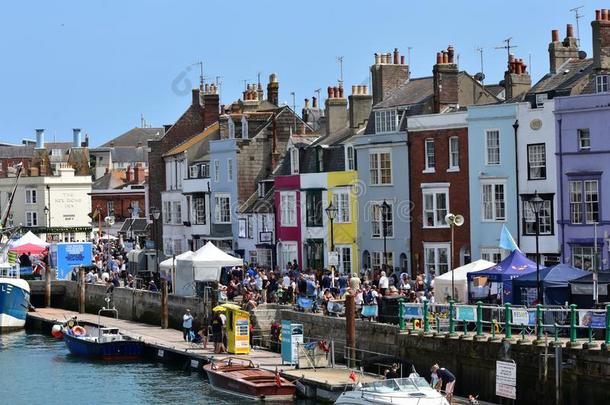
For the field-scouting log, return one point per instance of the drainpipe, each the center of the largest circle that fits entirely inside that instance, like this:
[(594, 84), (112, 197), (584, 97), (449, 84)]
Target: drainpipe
[(560, 178), (516, 128)]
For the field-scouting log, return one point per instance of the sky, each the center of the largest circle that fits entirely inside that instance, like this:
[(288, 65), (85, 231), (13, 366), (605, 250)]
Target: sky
[(99, 65)]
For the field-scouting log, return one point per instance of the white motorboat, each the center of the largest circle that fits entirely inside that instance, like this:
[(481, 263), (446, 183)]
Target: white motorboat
[(413, 390)]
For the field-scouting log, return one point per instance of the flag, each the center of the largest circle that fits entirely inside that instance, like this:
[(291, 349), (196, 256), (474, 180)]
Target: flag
[(353, 376), (506, 240), (278, 380)]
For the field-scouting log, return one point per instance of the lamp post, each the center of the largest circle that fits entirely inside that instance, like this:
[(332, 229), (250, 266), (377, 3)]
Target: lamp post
[(385, 211), (331, 213), (453, 220), (536, 205), (156, 214), (109, 220), (130, 210), (46, 214)]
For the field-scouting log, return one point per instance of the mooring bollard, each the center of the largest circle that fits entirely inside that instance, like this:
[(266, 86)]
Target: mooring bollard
[(590, 333), (523, 332), (401, 319), (608, 324), (573, 323), (452, 318), (426, 320), (479, 318), (494, 323), (556, 332), (508, 332), (465, 328), (438, 324), (539, 322)]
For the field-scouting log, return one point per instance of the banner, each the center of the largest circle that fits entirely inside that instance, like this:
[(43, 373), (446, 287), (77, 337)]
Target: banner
[(70, 255), (587, 318), (467, 313), (410, 311), (521, 316)]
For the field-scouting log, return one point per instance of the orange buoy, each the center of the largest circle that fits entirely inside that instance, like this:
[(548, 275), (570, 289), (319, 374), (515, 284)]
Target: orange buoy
[(57, 331), (79, 331)]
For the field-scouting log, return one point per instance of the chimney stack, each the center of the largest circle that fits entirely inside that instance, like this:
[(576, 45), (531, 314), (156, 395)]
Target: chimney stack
[(517, 80), (76, 138), (360, 105), (445, 80), (39, 138), (138, 173), (388, 73), (128, 176), (336, 110), (601, 40), (196, 93), (273, 89), (561, 52), (211, 106)]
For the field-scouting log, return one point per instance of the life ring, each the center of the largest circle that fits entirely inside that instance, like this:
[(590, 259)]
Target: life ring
[(71, 323), (417, 323), (79, 331), (322, 344), (496, 326)]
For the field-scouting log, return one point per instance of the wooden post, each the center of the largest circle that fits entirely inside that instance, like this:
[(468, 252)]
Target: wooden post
[(350, 326), (47, 287), (164, 304), (81, 290)]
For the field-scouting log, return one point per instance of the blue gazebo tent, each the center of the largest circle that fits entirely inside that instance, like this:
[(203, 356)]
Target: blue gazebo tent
[(581, 289), (495, 283), (555, 283)]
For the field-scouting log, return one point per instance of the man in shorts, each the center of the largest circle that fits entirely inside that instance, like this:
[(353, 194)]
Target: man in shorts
[(447, 377)]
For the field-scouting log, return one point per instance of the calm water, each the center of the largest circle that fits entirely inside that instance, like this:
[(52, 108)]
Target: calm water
[(37, 369)]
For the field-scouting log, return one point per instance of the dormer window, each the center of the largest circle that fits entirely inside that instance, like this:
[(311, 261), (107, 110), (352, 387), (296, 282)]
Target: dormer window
[(385, 121), (294, 161), (601, 84), (350, 157), (244, 128), (231, 126), (320, 159), (540, 99)]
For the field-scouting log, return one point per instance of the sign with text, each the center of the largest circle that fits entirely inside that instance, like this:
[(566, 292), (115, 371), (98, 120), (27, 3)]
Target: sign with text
[(591, 319), (466, 313), (333, 258), (411, 311), (523, 317), (70, 255), (506, 379)]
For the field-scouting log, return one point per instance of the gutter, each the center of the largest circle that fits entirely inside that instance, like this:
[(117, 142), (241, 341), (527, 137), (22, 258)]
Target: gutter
[(516, 128), (561, 207)]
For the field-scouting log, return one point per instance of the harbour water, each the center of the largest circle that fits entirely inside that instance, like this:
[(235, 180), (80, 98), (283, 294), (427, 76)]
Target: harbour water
[(37, 369)]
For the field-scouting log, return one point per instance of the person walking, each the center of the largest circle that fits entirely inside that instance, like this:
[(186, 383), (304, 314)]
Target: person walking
[(444, 376), (187, 325)]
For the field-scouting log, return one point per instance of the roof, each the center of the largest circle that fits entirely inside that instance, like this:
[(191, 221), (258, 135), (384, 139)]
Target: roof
[(568, 76), (135, 136), (494, 89), (16, 151), (414, 91), (129, 154), (259, 205), (334, 138), (114, 179), (186, 145)]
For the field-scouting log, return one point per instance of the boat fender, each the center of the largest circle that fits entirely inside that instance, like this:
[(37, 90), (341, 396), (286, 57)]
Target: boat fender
[(57, 331), (79, 331), (417, 323)]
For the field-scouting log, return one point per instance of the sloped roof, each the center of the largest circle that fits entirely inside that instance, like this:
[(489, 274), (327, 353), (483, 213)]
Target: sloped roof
[(16, 151), (568, 75), (414, 91), (114, 179), (186, 145), (129, 154), (259, 205), (335, 138), (135, 136)]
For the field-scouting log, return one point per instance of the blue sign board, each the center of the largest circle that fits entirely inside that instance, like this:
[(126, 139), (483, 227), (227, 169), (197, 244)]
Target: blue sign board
[(70, 255)]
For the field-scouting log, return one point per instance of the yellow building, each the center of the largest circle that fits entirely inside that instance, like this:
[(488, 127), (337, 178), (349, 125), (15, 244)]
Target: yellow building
[(342, 189)]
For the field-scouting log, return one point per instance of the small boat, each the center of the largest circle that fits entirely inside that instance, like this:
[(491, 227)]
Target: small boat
[(413, 390), (242, 378), (14, 301)]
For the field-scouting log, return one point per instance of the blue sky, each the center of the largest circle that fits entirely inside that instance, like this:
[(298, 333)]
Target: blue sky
[(99, 65)]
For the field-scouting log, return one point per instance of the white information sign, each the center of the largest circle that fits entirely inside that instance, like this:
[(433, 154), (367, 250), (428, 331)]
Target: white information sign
[(333, 258), (506, 379)]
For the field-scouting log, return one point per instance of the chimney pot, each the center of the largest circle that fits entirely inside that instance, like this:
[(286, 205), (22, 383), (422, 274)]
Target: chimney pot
[(365, 89), (76, 138), (335, 92), (450, 52), (39, 138), (598, 15), (314, 101), (569, 31), (330, 92), (340, 91), (402, 59), (306, 103), (445, 57), (604, 14), (396, 56), (555, 36), (377, 59), (354, 89), (439, 58)]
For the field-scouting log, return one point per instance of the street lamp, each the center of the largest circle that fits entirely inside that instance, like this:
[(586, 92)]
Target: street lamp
[(331, 213), (109, 220), (156, 214), (46, 214), (130, 210), (385, 212), (536, 205), (453, 220)]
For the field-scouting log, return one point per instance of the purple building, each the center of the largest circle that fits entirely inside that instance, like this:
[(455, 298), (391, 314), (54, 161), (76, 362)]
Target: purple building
[(583, 162)]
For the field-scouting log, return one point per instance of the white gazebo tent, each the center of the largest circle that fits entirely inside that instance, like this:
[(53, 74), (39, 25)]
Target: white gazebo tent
[(29, 237), (168, 266), (442, 283), (203, 265)]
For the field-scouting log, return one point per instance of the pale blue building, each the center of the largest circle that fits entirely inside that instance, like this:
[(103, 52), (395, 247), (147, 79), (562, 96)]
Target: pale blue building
[(494, 194)]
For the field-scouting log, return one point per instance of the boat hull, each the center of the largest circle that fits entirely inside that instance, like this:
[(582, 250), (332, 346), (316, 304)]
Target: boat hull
[(14, 303), (117, 350), (262, 392)]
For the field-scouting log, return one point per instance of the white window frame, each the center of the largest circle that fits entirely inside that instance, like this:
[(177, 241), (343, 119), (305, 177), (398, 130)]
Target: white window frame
[(376, 212), (533, 165), (584, 142), (590, 202), (439, 219), (386, 121), (219, 216), (199, 211), (31, 195), (436, 248), (545, 222), (167, 212), (229, 169), (342, 249), (341, 201), (231, 127), (216, 170), (193, 171), (176, 212), (576, 199), (493, 254), (244, 127), (31, 218), (294, 160), (429, 156), (288, 252), (454, 155), (377, 261), (350, 157), (494, 207), (288, 208), (488, 161), (376, 171), (602, 84)]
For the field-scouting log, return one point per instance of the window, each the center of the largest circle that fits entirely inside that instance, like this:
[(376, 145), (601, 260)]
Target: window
[(584, 139), (493, 202), (385, 121), (244, 127), (545, 216), (454, 153), (429, 151), (377, 220), (222, 209), (590, 205), (319, 159), (193, 172), (109, 207), (540, 99), (493, 255), (216, 170), (435, 208), (601, 84), (31, 218), (313, 209), (231, 127), (288, 208), (583, 257), (492, 147), (377, 260), (345, 259), (30, 196), (167, 212), (177, 246), (294, 161), (287, 253), (350, 158), (380, 166), (536, 161), (250, 226), (436, 258), (199, 210), (177, 212), (230, 169), (341, 203)]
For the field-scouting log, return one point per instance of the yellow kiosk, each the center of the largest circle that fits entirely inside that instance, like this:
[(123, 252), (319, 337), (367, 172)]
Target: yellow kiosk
[(238, 329)]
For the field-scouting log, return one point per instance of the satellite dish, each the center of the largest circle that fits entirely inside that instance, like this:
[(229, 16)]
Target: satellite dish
[(479, 76), (449, 218), (459, 220)]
